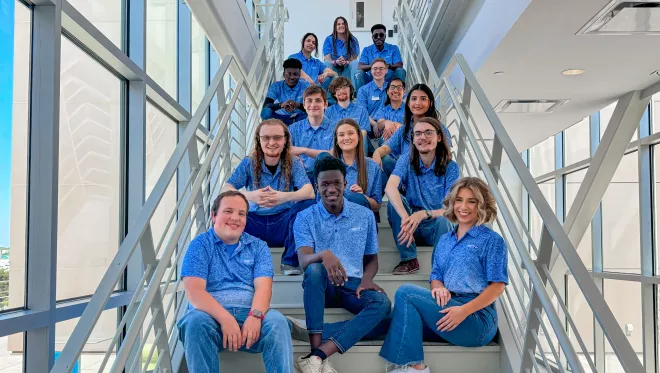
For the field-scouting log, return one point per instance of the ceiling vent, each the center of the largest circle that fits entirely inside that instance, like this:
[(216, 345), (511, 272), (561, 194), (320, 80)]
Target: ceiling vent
[(621, 17), (528, 106)]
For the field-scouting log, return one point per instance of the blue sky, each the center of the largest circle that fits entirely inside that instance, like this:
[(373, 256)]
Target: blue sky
[(6, 89)]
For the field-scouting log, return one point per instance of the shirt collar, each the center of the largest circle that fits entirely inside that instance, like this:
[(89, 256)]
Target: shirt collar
[(385, 48), (352, 165), (244, 240), (424, 168), (324, 123), (264, 168), (302, 55), (325, 215), (474, 231)]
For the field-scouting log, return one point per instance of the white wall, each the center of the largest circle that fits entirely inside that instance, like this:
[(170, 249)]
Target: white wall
[(318, 16)]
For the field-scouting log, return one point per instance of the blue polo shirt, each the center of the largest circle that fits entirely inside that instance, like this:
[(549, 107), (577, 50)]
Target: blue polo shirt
[(399, 143), (312, 66), (353, 111), (303, 135), (426, 191), (349, 236), (469, 265), (374, 180), (281, 92), (390, 54), (388, 113), (371, 97), (341, 48), (229, 277), (243, 177)]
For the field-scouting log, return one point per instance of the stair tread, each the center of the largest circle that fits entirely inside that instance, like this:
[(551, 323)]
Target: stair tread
[(384, 248), (379, 277), (428, 346)]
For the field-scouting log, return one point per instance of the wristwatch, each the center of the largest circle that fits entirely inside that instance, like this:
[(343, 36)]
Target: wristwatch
[(256, 313), (429, 214)]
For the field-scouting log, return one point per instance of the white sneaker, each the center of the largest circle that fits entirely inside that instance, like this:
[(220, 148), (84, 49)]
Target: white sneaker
[(298, 329), (288, 270), (327, 367), (312, 364), (409, 369)]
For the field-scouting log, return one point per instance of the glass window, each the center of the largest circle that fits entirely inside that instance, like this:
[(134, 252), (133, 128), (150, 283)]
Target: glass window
[(576, 142), (161, 43), (11, 353), (198, 66), (656, 168), (89, 208), (572, 185), (105, 15), (606, 115), (536, 224), (656, 112), (15, 36), (98, 343), (621, 250), (625, 300), (542, 157), (583, 317)]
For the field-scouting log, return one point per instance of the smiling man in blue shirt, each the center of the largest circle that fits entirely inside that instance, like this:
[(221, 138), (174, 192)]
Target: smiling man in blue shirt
[(427, 174), (372, 96), (284, 98), (379, 49), (338, 250), (228, 278), (312, 136)]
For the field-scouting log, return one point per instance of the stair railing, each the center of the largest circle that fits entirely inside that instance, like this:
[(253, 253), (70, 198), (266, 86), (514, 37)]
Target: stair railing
[(542, 335), (146, 338)]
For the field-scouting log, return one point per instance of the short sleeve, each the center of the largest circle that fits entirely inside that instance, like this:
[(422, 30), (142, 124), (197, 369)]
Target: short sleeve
[(298, 173), (327, 46), (496, 260), (363, 97), (294, 56), (241, 175), (378, 114), (402, 167), (293, 129), (372, 237), (273, 91), (321, 66), (452, 173), (396, 55), (355, 46), (445, 130), (302, 231), (436, 272), (364, 57), (196, 262), (376, 183), (364, 122), (263, 263), (394, 142)]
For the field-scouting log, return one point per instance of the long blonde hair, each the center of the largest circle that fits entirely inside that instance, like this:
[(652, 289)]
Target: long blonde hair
[(486, 205), (360, 159)]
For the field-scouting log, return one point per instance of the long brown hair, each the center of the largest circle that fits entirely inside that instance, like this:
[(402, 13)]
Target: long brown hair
[(360, 159), (286, 159), (442, 151), (431, 112), (349, 38)]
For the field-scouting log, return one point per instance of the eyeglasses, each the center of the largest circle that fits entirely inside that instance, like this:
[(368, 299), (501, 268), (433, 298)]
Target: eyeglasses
[(379, 35), (396, 88), (276, 138), (379, 68), (427, 133)]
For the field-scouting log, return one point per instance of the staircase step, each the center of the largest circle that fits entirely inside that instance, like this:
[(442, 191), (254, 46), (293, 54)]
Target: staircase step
[(363, 358), (288, 289)]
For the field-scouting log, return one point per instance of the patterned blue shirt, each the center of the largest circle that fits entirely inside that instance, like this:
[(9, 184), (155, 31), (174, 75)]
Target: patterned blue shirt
[(390, 54), (349, 236), (229, 277), (468, 265), (312, 66), (281, 92), (400, 143), (426, 191), (353, 111), (243, 177), (388, 113), (302, 134), (374, 180), (341, 48), (371, 97)]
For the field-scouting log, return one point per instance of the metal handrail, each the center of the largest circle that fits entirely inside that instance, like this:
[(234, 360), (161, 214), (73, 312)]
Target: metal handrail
[(410, 18), (213, 162)]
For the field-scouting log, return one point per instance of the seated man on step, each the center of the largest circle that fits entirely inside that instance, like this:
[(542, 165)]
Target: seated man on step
[(284, 97), (426, 173), (276, 186), (379, 49), (337, 246), (228, 278)]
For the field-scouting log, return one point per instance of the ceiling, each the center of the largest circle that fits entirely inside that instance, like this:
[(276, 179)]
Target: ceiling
[(541, 44)]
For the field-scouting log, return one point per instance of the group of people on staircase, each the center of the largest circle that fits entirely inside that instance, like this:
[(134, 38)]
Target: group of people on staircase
[(314, 184)]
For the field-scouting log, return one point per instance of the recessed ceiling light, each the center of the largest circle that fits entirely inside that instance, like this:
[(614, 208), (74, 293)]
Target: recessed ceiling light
[(571, 72), (499, 73)]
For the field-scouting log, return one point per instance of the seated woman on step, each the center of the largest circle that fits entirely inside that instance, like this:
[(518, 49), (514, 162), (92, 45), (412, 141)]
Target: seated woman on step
[(469, 273)]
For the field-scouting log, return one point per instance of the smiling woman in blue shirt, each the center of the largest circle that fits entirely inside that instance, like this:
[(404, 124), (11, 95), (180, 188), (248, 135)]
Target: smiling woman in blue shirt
[(228, 278), (314, 71), (341, 49), (469, 273), (426, 174)]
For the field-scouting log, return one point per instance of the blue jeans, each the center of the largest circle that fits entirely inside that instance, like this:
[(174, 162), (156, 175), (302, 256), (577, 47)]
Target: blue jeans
[(347, 71), (267, 113), (389, 162), (428, 231), (414, 320), (202, 340), (277, 229), (364, 77), (371, 311)]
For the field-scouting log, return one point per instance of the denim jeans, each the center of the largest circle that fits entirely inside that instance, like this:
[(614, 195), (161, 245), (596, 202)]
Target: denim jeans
[(347, 71), (277, 229), (267, 113), (428, 231), (202, 341), (389, 162), (371, 311), (364, 77), (414, 320)]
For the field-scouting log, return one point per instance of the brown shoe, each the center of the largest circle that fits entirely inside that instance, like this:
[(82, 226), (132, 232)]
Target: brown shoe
[(406, 267)]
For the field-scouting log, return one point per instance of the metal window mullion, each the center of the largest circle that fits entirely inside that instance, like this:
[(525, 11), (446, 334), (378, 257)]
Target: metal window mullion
[(41, 286)]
